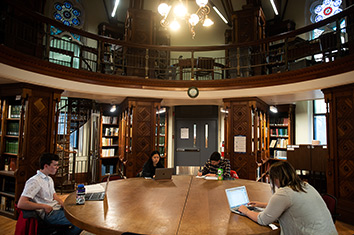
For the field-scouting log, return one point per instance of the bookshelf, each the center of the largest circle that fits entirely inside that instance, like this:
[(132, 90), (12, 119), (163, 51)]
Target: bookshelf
[(161, 133), (109, 144), (111, 55), (137, 133), (26, 131), (247, 140), (282, 131)]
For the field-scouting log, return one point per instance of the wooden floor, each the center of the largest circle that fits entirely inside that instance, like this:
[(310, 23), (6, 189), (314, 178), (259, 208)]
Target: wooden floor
[(7, 227)]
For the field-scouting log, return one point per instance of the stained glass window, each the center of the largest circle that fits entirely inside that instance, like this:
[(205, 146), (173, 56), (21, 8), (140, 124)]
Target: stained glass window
[(321, 10), (67, 14)]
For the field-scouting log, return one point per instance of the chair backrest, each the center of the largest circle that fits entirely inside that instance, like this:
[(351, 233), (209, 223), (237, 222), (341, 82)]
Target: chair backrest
[(25, 226), (331, 203), (205, 63)]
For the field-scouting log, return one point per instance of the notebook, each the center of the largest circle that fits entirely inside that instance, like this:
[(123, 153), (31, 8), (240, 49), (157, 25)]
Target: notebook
[(238, 196), (97, 196), (163, 173)]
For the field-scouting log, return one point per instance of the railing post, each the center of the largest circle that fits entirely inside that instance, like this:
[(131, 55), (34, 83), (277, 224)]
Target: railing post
[(192, 66), (286, 62), (147, 64), (338, 34), (47, 41), (238, 62)]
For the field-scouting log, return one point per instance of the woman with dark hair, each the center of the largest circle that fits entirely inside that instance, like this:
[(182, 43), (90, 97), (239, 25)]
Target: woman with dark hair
[(151, 165), (297, 206)]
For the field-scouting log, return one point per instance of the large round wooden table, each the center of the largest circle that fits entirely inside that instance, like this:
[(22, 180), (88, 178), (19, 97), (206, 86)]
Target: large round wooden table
[(183, 205)]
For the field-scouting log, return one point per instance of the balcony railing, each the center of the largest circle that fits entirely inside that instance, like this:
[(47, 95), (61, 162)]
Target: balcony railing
[(33, 34)]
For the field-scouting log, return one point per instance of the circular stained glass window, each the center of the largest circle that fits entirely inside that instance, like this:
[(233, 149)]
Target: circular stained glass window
[(327, 9), (67, 14)]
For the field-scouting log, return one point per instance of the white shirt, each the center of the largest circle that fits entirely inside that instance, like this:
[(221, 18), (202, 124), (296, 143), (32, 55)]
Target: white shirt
[(298, 212), (40, 189)]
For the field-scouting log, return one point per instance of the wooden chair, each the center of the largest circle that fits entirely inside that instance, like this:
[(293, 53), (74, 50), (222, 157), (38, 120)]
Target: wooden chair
[(205, 67), (331, 203)]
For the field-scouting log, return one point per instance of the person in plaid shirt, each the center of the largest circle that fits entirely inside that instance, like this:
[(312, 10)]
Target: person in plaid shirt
[(211, 166)]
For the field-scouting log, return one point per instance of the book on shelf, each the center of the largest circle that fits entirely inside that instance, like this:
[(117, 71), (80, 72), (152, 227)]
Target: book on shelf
[(14, 111), (273, 143), (109, 120), (280, 154), (11, 146), (12, 128)]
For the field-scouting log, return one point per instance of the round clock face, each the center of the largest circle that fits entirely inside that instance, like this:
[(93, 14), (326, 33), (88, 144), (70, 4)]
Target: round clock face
[(193, 92)]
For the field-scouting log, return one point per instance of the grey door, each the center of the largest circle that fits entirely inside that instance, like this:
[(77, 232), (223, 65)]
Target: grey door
[(195, 140)]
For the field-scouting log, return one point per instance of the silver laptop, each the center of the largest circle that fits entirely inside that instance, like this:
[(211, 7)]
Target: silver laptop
[(97, 196), (163, 173), (238, 196)]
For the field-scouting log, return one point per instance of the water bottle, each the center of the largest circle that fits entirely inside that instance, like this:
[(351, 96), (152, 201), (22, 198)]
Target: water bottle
[(220, 174), (80, 194)]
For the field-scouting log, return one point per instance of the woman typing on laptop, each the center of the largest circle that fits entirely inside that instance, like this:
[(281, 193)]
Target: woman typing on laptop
[(151, 165), (297, 206)]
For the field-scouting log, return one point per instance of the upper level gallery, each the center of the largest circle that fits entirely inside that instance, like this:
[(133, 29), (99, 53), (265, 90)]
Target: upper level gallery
[(35, 43)]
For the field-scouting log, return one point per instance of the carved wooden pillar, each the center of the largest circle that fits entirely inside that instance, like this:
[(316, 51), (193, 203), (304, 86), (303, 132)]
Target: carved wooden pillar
[(340, 141)]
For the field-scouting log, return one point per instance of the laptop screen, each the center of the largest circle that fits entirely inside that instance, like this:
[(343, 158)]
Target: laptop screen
[(237, 196)]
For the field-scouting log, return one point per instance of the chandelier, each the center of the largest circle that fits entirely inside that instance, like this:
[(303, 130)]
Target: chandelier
[(180, 13)]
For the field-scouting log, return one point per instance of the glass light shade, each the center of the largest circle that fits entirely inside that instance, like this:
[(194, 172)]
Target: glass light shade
[(180, 10), (201, 3), (194, 19), (174, 25), (163, 9), (208, 22)]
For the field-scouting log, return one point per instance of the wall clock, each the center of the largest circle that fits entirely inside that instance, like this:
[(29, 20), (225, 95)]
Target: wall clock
[(193, 92)]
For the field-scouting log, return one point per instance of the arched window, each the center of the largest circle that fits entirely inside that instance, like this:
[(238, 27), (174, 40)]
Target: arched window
[(65, 46)]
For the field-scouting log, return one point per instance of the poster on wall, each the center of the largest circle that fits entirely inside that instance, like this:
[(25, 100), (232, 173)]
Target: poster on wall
[(184, 133), (240, 144)]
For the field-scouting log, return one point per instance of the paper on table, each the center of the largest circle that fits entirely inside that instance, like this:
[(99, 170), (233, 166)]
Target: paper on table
[(200, 177), (94, 188), (211, 178)]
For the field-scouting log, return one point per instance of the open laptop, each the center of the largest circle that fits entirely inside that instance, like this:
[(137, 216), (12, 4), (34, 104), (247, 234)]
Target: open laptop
[(238, 196), (97, 196), (163, 173)]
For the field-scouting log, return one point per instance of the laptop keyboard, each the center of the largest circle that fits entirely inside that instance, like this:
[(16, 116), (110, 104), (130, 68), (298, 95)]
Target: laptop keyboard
[(93, 196)]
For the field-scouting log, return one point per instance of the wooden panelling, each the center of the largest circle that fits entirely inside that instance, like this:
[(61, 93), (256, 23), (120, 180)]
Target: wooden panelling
[(340, 123)]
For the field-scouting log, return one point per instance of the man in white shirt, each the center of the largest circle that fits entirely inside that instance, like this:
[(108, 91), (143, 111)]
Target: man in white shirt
[(39, 194)]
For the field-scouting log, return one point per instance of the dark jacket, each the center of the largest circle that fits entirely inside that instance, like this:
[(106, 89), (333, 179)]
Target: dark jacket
[(149, 169)]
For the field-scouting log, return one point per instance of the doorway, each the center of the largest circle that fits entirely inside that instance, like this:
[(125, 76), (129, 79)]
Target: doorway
[(196, 135)]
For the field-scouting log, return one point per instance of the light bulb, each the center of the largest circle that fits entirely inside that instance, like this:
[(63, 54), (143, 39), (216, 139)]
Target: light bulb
[(163, 9), (180, 10), (194, 19), (201, 3), (175, 25), (208, 22)]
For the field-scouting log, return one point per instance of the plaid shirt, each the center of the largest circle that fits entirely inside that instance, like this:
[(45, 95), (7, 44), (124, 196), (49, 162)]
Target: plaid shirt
[(223, 164)]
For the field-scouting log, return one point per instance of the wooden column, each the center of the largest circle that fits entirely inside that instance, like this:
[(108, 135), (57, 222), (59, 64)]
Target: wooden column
[(340, 141)]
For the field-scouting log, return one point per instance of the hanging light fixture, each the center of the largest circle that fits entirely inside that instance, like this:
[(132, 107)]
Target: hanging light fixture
[(181, 12)]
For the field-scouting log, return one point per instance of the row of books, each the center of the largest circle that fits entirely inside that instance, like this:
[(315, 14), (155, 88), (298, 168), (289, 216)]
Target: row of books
[(11, 146), (279, 132), (12, 128), (108, 152), (14, 111), (7, 204), (109, 120), (105, 169), (279, 121), (279, 143), (279, 154), (109, 141), (110, 131)]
